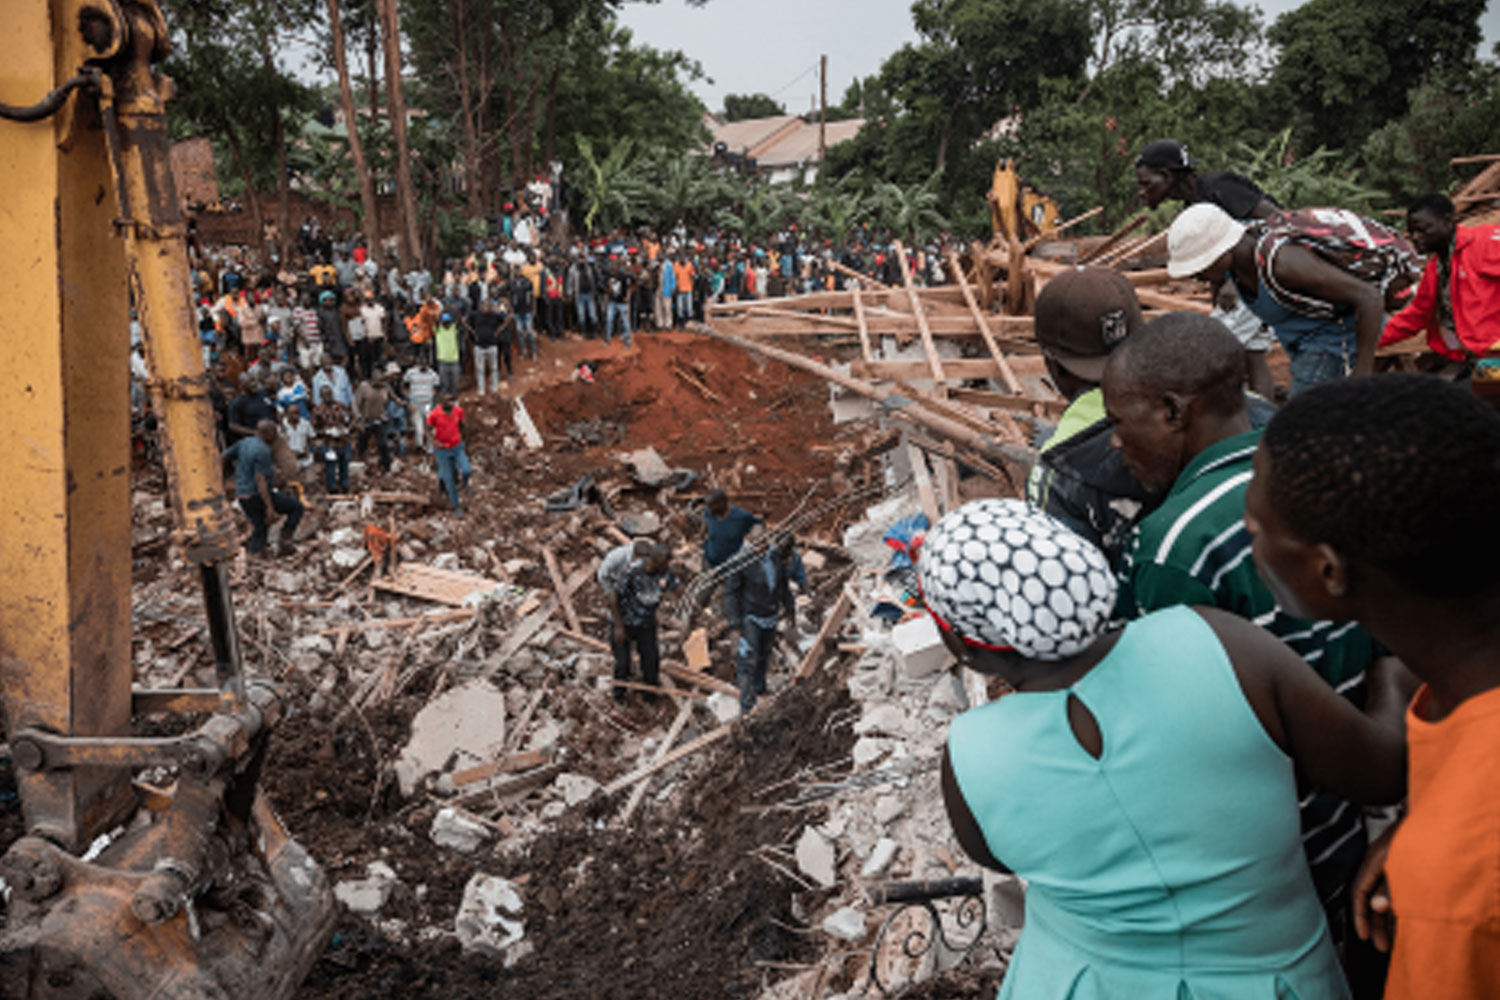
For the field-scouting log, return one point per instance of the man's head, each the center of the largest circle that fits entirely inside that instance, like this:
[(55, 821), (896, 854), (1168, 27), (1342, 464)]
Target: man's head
[(1430, 222), (446, 401), (288, 377), (1160, 169), (656, 558), (1081, 316), (717, 502), (1385, 482), (1174, 381), (326, 395), (1201, 242), (266, 431)]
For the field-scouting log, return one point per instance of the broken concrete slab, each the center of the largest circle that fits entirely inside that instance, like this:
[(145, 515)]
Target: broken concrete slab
[(525, 425), (489, 917), (364, 897), (726, 707), (885, 719), (846, 924), (816, 858), (347, 558), (880, 858), (868, 749), (575, 788), (889, 808), (648, 467), (453, 829), (920, 647), (462, 727)]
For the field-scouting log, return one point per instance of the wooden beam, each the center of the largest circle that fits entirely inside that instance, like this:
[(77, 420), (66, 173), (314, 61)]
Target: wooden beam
[(831, 623), (1001, 401), (849, 272), (923, 480), (509, 764), (929, 347), (1055, 230), (966, 368), (562, 593), (1481, 158), (436, 618), (1114, 238), (584, 640), (832, 300), (842, 322), (866, 351), (982, 322), (877, 322), (681, 672), (683, 714), (520, 783), (647, 770), (653, 689), (529, 626)]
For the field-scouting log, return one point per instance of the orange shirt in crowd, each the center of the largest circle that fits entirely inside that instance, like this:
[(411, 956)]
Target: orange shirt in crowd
[(427, 318), (1444, 865), (652, 248), (684, 272)]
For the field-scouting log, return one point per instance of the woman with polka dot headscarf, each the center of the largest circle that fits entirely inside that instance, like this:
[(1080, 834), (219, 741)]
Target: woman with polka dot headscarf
[(1141, 778)]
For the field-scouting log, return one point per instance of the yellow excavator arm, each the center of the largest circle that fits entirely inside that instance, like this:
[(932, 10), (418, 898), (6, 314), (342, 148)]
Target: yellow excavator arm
[(93, 223)]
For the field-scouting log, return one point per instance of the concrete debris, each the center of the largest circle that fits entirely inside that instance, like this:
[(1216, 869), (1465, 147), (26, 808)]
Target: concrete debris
[(920, 647), (286, 582), (880, 858), (348, 536), (489, 918), (868, 749), (575, 788), (343, 513), (648, 467), (816, 858), (364, 897), (846, 924), (640, 523), (446, 560), (462, 833), (347, 558), (889, 808), (885, 719), (726, 707), (525, 425), (320, 644), (462, 727)]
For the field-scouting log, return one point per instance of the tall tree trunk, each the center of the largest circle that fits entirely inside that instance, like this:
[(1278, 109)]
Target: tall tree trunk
[(482, 135), (390, 26), (278, 138), (372, 42), (550, 145), (238, 155), (466, 106), (370, 222)]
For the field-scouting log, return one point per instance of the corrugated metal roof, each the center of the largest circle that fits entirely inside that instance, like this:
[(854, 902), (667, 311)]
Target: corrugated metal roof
[(779, 141)]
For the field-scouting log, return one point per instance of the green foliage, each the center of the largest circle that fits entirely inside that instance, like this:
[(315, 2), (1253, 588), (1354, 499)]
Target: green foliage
[(1410, 156), (1320, 178), (1345, 66), (738, 107), (910, 212), (606, 189)]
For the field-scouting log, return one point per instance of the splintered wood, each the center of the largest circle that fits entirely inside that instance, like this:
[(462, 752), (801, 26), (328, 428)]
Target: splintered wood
[(445, 586)]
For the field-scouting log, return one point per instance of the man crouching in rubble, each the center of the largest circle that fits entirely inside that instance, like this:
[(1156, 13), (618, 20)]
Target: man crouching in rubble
[(638, 575), (755, 594)]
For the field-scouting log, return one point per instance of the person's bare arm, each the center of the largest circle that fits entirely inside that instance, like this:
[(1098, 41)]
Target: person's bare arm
[(1301, 270), (965, 827), (1338, 747)]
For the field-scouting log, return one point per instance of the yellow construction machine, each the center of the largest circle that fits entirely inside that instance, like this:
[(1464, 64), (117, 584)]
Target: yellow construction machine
[(1018, 210), (186, 886)]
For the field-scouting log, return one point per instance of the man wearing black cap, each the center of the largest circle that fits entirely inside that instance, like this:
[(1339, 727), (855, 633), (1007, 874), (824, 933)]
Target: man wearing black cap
[(1081, 316), (1165, 172)]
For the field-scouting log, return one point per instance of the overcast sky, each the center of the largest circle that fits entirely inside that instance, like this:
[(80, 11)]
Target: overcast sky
[(772, 46)]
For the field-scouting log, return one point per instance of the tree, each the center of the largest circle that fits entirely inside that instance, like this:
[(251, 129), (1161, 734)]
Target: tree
[(1410, 156), (390, 26), (369, 221), (739, 107), (1346, 66)]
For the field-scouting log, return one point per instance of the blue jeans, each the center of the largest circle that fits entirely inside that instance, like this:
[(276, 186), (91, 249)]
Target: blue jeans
[(684, 302), (395, 426), (588, 314), (335, 469), (526, 334), (622, 310), (754, 650), (453, 471), (1313, 366)]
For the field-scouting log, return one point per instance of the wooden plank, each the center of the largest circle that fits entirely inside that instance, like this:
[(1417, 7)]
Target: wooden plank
[(516, 732), (396, 496), (864, 327), (1458, 161), (1114, 238), (983, 325), (833, 300), (967, 368), (923, 481), (513, 786), (557, 583), (647, 770), (529, 626), (842, 322), (683, 714), (653, 689), (509, 764), (849, 272), (432, 618), (929, 346), (1052, 233), (583, 639), (878, 322), (831, 623), (432, 584), (1002, 401), (682, 672), (695, 648)]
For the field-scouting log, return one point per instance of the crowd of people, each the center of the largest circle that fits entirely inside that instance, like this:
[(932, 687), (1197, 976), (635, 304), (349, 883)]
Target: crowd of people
[(1253, 692)]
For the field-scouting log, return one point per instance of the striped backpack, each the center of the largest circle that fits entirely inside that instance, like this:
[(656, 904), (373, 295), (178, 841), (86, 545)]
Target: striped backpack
[(1349, 241)]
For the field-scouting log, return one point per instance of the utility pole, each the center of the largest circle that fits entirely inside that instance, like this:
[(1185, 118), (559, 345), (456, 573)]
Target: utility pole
[(823, 111)]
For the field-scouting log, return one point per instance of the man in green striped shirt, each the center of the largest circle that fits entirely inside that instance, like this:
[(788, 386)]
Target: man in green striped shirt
[(1174, 394)]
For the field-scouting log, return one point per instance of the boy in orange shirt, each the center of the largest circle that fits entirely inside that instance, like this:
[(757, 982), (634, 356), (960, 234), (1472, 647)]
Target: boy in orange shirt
[(1359, 485)]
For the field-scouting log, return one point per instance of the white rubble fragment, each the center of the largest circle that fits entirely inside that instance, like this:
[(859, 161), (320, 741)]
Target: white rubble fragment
[(726, 707), (464, 726), (553, 810), (344, 512), (648, 466), (320, 644), (868, 749), (880, 858), (284, 582), (846, 924), (920, 647), (342, 537), (889, 808), (526, 426), (489, 918), (885, 719), (347, 558), (545, 735), (575, 788), (815, 857), (451, 828), (445, 560), (364, 897)]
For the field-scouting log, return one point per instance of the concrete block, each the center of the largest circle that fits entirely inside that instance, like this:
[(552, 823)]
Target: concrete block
[(880, 858), (815, 857), (462, 727), (366, 896), (847, 924), (920, 647), (489, 918), (451, 828)]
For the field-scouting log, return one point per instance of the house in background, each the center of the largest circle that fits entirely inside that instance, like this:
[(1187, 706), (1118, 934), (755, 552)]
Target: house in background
[(782, 147)]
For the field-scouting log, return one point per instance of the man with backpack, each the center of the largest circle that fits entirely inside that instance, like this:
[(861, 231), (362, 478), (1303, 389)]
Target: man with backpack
[(1321, 278)]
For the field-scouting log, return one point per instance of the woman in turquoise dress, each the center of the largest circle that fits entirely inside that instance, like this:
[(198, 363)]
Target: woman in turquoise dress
[(1139, 779)]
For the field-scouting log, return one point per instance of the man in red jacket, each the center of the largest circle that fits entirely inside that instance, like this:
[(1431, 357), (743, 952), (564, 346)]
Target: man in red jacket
[(1458, 301)]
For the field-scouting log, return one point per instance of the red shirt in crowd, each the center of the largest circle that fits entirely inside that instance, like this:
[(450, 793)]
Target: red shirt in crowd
[(1473, 289), (445, 426)]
